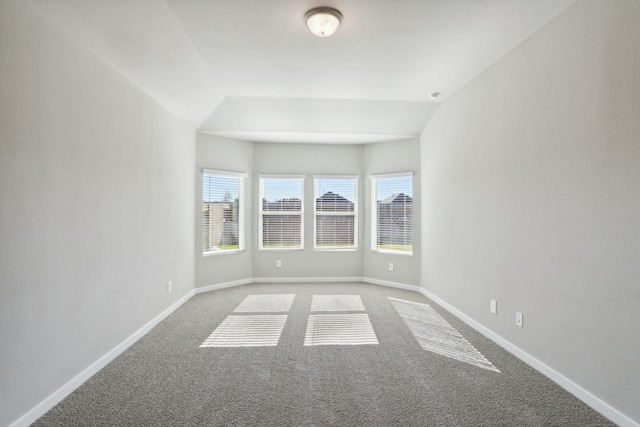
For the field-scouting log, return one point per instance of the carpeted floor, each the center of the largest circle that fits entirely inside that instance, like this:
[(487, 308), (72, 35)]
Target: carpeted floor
[(189, 372)]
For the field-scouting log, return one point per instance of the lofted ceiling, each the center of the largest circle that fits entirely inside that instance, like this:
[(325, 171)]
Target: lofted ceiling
[(251, 70)]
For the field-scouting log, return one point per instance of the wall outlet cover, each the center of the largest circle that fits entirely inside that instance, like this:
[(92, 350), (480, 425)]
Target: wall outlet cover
[(519, 319)]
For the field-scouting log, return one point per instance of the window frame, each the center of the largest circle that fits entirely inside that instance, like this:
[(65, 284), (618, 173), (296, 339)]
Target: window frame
[(317, 213), (374, 213), (262, 212), (241, 217)]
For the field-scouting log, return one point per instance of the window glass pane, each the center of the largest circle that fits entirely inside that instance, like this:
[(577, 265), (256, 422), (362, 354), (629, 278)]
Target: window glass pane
[(336, 206), (222, 213), (335, 231), (392, 213), (281, 231), (281, 213)]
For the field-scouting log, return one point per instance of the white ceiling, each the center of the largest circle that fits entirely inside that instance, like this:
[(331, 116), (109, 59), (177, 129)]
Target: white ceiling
[(250, 69)]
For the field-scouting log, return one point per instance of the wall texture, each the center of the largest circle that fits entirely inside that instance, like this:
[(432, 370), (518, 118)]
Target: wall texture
[(393, 157), (531, 178), (218, 153), (96, 209)]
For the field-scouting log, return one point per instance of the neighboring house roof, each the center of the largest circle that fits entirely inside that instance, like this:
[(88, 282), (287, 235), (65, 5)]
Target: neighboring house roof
[(397, 198), (333, 201)]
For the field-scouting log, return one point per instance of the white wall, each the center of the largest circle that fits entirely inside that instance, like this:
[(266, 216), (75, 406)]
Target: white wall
[(531, 196), (96, 209), (307, 159), (393, 157), (218, 153)]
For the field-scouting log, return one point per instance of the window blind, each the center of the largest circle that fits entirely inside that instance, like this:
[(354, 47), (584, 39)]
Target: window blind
[(392, 213), (335, 212), (222, 212), (281, 212)]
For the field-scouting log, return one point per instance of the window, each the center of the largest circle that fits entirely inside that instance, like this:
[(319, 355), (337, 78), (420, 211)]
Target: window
[(335, 213), (281, 212), (392, 213), (222, 212)]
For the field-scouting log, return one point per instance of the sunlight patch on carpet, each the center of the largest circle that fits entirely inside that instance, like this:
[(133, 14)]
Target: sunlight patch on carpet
[(269, 303), (337, 303), (435, 334), (247, 331), (339, 329)]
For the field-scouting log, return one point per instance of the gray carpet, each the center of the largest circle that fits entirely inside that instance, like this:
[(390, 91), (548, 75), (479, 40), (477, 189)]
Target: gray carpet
[(168, 379)]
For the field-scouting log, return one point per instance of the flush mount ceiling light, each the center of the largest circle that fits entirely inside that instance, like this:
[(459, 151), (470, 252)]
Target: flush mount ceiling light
[(323, 21)]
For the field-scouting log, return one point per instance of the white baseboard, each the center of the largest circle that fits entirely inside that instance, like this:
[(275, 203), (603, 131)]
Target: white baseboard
[(582, 394), (391, 284), (593, 401), (223, 285), (305, 279), (55, 398), (308, 280)]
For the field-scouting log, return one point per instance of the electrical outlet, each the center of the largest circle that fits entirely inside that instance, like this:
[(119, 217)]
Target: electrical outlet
[(278, 263), (494, 306), (169, 286), (390, 266), (519, 319)]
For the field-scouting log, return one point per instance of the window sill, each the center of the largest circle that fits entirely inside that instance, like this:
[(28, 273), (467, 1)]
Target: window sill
[(222, 252), (392, 252), (280, 249), (335, 249)]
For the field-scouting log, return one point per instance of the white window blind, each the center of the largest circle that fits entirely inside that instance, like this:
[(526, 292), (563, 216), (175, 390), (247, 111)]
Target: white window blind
[(281, 212), (392, 213), (335, 212), (222, 212)]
